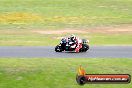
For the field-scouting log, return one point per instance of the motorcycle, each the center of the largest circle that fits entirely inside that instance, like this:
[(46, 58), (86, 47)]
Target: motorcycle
[(67, 45)]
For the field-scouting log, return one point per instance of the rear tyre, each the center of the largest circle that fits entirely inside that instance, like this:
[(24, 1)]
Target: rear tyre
[(58, 48)]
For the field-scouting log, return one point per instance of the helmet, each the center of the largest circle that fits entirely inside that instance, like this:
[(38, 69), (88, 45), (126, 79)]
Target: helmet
[(73, 37)]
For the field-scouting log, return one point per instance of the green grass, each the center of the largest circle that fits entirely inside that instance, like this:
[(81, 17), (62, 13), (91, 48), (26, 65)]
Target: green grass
[(27, 40), (58, 72), (31, 39), (119, 39), (65, 13), (19, 17)]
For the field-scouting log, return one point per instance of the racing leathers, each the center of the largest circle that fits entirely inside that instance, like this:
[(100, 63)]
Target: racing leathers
[(78, 43)]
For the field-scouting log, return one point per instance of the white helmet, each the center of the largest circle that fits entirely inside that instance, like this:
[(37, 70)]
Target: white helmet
[(73, 36)]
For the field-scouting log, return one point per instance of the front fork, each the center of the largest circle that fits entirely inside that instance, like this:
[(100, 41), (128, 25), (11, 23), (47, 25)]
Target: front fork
[(78, 47)]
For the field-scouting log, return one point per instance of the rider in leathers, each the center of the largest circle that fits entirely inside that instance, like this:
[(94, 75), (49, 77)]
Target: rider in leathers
[(77, 42)]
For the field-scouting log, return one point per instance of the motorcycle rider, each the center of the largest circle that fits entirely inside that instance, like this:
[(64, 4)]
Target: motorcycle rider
[(77, 42)]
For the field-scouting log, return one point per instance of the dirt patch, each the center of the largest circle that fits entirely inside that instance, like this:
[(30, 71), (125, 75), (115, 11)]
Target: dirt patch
[(64, 31), (105, 30), (112, 30)]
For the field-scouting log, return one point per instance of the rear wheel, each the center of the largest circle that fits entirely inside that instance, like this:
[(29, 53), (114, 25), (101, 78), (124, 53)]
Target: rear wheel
[(58, 48)]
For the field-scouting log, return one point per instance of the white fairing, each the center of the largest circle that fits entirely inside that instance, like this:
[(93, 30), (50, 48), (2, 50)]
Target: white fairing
[(73, 46), (79, 41), (88, 41), (70, 42)]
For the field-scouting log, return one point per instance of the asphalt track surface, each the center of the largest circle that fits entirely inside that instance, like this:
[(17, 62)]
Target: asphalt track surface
[(48, 52)]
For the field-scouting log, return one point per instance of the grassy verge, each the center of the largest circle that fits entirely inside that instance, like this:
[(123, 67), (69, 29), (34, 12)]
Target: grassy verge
[(19, 17), (64, 13), (31, 39), (58, 72)]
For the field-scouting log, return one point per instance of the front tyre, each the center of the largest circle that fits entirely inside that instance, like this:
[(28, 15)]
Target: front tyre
[(84, 48), (58, 48)]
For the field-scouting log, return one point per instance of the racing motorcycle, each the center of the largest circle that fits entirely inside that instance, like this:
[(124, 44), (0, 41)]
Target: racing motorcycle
[(68, 45)]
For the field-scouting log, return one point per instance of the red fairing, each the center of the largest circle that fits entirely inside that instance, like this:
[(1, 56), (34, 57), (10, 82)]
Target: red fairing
[(79, 45)]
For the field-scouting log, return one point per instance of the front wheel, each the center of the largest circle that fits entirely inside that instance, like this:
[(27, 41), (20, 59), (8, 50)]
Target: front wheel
[(58, 48), (84, 48)]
